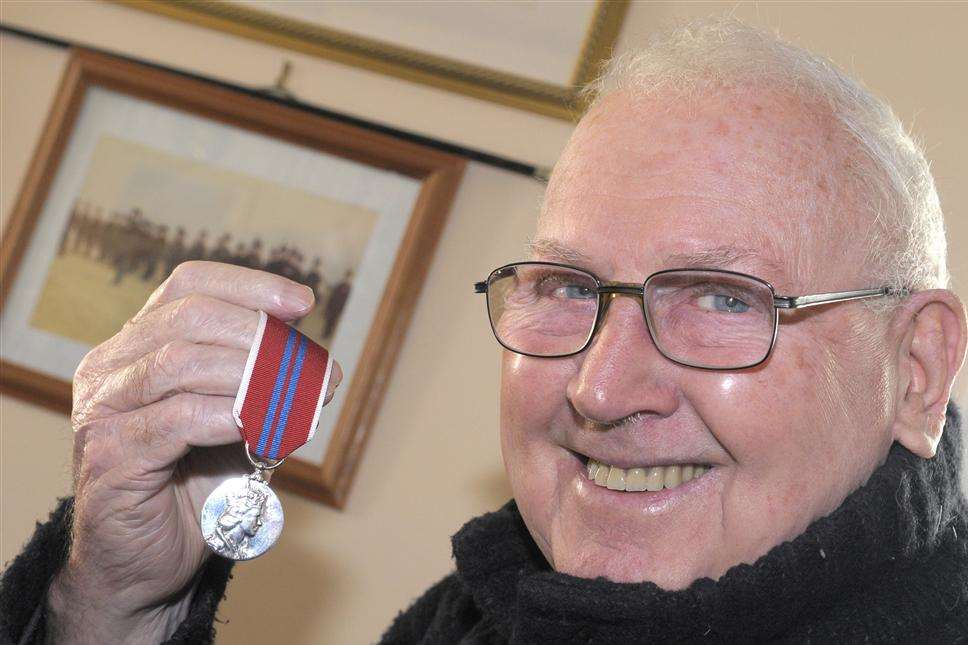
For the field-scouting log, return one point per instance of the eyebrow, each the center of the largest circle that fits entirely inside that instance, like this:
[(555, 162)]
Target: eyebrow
[(713, 258), (555, 250), (720, 256)]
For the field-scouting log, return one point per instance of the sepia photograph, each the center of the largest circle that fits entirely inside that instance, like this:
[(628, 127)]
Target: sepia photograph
[(142, 212)]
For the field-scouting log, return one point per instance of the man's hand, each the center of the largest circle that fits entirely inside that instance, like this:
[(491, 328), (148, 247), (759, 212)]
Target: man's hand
[(154, 436)]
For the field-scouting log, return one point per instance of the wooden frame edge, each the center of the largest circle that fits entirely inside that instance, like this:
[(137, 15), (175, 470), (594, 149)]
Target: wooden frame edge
[(36, 182)]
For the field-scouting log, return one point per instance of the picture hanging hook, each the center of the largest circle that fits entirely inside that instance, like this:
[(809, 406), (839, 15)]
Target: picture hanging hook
[(279, 89)]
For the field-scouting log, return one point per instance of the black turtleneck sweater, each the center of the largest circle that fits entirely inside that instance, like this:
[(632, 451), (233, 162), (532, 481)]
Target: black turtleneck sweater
[(890, 565)]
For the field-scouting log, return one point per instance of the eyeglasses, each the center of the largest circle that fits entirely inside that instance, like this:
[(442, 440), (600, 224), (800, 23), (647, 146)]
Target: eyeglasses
[(707, 318)]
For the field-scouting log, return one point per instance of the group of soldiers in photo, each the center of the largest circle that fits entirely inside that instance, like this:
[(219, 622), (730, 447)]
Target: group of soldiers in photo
[(133, 245)]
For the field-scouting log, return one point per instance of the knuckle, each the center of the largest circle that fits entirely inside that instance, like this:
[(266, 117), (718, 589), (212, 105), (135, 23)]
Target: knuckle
[(192, 272), (184, 272), (84, 396), (143, 377), (81, 403), (84, 386), (200, 411), (171, 359), (190, 310), (146, 429), (161, 293), (164, 371), (84, 367), (80, 411), (90, 363), (190, 409), (181, 280), (95, 449), (165, 428), (176, 411)]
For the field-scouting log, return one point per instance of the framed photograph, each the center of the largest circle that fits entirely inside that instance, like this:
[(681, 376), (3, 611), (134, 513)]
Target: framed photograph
[(139, 169), (529, 54)]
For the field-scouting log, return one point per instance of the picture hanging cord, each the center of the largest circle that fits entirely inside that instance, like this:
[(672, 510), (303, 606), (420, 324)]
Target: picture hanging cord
[(538, 173)]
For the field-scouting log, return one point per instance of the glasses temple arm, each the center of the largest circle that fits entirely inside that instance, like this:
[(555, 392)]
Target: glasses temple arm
[(799, 302)]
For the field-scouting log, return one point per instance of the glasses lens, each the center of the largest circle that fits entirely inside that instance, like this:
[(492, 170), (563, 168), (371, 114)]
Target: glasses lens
[(711, 319), (542, 309)]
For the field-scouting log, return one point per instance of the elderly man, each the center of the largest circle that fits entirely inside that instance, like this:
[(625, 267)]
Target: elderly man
[(753, 445)]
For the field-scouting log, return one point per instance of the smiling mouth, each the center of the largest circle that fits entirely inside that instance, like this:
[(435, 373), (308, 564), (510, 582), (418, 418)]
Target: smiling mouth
[(650, 479)]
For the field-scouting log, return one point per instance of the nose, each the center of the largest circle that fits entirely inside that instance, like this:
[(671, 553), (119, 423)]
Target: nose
[(622, 373)]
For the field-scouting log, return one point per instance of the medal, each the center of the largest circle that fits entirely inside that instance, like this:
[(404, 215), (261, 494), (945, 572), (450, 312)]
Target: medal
[(277, 410), (242, 518)]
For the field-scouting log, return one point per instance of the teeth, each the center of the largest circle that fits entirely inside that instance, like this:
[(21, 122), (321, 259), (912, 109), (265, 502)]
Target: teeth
[(673, 476), (643, 479), (635, 479), (687, 472), (616, 479), (601, 476)]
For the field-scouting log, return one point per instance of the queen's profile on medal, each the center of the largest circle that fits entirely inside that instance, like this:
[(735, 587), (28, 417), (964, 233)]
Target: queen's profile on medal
[(242, 518), (239, 522)]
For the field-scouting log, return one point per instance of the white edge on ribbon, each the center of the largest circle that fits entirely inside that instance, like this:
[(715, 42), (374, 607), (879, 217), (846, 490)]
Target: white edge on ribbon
[(249, 366), (322, 396)]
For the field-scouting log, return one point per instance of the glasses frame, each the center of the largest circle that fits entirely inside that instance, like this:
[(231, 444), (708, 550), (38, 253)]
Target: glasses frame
[(611, 290)]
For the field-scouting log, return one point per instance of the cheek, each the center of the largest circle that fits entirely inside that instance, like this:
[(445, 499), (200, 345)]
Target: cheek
[(532, 393), (799, 428), (802, 398), (533, 402), (738, 406)]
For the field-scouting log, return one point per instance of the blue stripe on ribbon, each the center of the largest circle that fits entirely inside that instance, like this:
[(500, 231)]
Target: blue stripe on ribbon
[(276, 391), (290, 394)]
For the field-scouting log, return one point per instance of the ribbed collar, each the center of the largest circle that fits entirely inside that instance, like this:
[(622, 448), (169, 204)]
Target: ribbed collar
[(894, 552)]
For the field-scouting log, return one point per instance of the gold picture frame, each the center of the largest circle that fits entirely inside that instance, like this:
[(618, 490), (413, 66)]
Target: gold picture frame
[(549, 99)]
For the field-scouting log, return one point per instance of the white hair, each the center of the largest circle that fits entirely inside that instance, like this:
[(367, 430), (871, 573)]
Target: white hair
[(906, 246)]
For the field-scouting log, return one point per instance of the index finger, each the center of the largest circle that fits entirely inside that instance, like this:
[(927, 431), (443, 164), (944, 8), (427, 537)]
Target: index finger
[(249, 288)]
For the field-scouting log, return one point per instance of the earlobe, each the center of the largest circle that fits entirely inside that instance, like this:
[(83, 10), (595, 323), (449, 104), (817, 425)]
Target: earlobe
[(932, 329)]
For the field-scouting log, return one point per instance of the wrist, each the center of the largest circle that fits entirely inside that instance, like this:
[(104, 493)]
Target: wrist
[(78, 613)]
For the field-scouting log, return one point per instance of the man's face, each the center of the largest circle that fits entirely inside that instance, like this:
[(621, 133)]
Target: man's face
[(752, 184)]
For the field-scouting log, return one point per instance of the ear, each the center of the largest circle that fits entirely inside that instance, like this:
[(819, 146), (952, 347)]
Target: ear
[(932, 331)]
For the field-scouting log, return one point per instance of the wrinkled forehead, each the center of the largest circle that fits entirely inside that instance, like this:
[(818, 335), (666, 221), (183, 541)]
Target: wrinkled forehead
[(746, 182)]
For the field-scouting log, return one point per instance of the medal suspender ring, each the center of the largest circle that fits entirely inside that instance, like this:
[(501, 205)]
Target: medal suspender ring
[(260, 465)]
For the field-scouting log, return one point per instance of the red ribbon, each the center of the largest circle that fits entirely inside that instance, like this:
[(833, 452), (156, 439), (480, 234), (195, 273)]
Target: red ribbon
[(283, 388)]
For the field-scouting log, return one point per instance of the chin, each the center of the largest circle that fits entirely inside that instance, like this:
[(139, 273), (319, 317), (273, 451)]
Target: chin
[(627, 568)]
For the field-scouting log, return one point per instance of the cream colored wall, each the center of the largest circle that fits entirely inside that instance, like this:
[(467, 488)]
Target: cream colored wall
[(433, 460)]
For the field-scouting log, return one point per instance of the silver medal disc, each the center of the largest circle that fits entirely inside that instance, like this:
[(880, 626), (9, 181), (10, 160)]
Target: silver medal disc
[(242, 518)]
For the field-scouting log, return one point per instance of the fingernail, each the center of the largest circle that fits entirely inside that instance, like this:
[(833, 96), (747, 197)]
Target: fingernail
[(298, 298)]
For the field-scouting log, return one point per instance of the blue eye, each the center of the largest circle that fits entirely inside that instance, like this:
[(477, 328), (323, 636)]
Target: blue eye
[(565, 286), (577, 292), (723, 303)]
